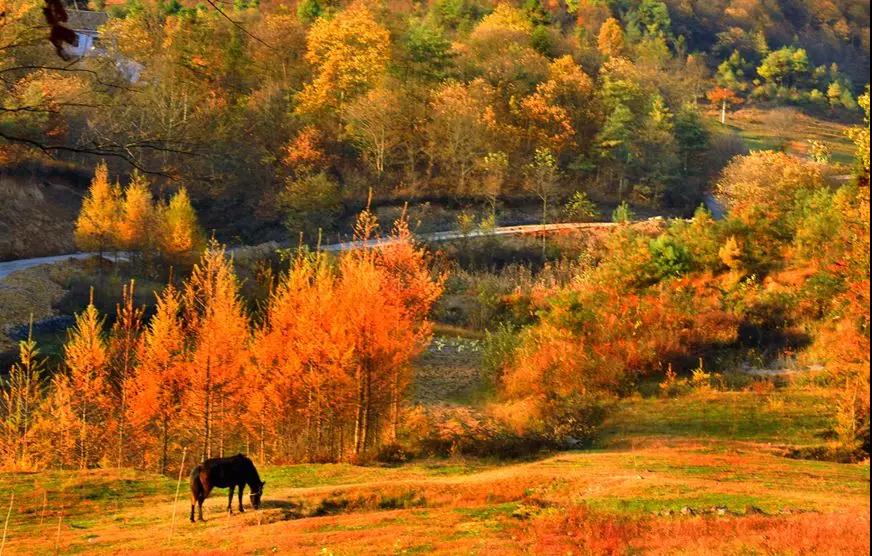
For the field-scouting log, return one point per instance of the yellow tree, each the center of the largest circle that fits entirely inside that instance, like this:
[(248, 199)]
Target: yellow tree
[(218, 336), (57, 428), (610, 41), (136, 222), (87, 380), (122, 349), (180, 234), (159, 381), (20, 399), (97, 224), (349, 54)]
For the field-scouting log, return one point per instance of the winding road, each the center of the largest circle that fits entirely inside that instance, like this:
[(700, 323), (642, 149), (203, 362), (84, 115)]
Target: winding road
[(8, 267)]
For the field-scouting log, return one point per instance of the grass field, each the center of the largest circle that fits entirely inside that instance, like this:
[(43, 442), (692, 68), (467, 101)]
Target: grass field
[(700, 473), (790, 130)]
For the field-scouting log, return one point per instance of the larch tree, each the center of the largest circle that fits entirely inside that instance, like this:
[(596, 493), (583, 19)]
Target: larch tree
[(218, 336), (180, 235), (385, 327), (87, 378), (123, 346), (160, 381), (97, 224), (136, 223), (410, 285), (302, 358), (20, 399)]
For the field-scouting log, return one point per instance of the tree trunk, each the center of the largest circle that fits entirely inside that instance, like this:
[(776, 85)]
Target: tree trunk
[(207, 413), (164, 443)]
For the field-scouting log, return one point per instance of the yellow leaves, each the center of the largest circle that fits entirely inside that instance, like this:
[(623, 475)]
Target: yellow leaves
[(349, 53), (137, 215), (109, 221), (610, 41), (504, 22), (180, 234), (97, 224)]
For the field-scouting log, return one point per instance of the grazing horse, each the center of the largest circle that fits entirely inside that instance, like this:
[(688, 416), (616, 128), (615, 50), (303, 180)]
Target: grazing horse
[(232, 472)]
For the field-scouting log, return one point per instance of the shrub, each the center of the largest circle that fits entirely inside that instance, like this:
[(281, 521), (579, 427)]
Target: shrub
[(623, 213), (311, 203)]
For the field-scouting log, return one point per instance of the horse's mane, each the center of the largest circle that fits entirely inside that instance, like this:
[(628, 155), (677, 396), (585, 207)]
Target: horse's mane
[(250, 468)]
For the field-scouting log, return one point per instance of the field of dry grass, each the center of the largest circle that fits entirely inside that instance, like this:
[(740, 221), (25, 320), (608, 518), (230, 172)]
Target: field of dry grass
[(790, 130), (700, 474)]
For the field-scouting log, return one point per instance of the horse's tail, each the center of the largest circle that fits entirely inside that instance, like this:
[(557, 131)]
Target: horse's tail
[(196, 485)]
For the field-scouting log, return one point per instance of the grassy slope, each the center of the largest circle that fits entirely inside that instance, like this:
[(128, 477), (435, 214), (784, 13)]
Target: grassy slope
[(790, 130), (713, 454)]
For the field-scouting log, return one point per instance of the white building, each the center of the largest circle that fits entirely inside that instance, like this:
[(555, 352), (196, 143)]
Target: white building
[(86, 25)]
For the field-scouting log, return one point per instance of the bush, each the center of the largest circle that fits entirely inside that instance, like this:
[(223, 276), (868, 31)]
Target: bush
[(393, 453), (311, 203), (450, 431), (623, 213), (499, 350)]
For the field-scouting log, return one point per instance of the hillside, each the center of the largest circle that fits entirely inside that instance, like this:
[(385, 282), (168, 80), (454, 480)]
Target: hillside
[(700, 473), (582, 277)]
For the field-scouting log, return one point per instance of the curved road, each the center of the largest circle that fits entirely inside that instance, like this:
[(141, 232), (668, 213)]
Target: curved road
[(8, 267)]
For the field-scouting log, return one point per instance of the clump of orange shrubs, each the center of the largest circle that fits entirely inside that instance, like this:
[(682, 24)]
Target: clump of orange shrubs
[(788, 268), (317, 375)]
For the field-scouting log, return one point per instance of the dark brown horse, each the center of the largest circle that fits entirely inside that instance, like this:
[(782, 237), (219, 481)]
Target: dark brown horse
[(233, 472)]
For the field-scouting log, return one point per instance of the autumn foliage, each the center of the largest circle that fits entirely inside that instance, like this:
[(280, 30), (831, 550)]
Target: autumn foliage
[(320, 375), (129, 219)]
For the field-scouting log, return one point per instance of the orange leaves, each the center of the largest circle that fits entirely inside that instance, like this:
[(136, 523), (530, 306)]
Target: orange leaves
[(336, 344), (722, 95), (595, 337), (610, 41), (305, 153), (320, 376)]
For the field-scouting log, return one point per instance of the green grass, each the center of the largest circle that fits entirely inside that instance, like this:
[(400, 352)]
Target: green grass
[(785, 417)]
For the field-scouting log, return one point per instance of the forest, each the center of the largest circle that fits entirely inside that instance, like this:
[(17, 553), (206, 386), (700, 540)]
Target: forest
[(253, 188), (280, 116)]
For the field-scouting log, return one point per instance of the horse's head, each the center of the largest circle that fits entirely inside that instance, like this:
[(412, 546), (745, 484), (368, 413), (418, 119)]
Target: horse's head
[(254, 496)]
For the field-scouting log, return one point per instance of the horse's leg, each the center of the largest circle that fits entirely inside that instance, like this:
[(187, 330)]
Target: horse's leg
[(241, 488), (203, 495), (193, 503), (230, 500)]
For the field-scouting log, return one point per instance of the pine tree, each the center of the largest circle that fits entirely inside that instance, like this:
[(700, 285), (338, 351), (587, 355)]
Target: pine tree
[(218, 336), (136, 224), (180, 234)]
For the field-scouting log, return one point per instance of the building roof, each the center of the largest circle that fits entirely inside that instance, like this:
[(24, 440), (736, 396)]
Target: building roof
[(84, 20)]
